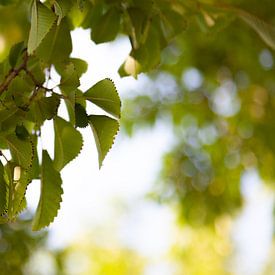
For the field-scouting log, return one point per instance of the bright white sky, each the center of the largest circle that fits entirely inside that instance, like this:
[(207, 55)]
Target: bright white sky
[(94, 198)]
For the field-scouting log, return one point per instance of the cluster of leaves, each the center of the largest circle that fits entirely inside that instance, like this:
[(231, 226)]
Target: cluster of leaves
[(26, 102)]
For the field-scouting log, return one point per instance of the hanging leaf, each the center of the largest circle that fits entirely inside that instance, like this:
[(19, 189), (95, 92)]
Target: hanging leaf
[(139, 24), (3, 190), (21, 150), (80, 65), (81, 117), (20, 187), (42, 19), (69, 77), (10, 118), (15, 53), (104, 129), (53, 49), (43, 108), (104, 95), (67, 144), (50, 196), (130, 67), (107, 27)]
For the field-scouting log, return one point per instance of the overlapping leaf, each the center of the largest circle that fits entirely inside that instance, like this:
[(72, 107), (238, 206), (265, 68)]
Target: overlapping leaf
[(50, 196), (43, 108), (104, 129), (15, 53), (21, 150), (69, 77), (81, 117), (57, 44), (107, 27), (104, 95), (42, 20), (68, 143), (20, 187)]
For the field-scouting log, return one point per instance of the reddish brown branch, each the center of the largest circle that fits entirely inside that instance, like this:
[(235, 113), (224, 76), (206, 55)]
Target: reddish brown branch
[(13, 73)]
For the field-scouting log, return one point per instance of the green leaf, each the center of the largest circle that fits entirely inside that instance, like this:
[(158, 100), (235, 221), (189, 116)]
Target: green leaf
[(107, 27), (21, 150), (21, 132), (62, 7), (19, 91), (57, 44), (104, 95), (42, 19), (3, 190), (70, 105), (43, 108), (15, 53), (139, 22), (80, 65), (81, 117), (67, 144), (130, 67), (104, 129), (148, 55), (35, 168), (69, 77), (9, 118), (50, 196), (20, 187)]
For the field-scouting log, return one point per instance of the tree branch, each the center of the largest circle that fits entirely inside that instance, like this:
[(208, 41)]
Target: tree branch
[(12, 74)]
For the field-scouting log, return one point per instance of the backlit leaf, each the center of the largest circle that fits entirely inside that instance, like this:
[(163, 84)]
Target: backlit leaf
[(104, 129), (43, 108), (67, 144), (53, 49), (104, 95), (50, 196), (21, 150), (107, 27), (42, 20)]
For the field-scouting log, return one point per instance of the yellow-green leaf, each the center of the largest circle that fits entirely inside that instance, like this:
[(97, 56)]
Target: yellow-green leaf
[(50, 196), (104, 95), (42, 20), (104, 129), (67, 144)]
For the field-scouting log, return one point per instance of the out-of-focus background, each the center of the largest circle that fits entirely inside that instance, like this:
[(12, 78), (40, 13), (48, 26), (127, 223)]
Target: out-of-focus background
[(188, 187)]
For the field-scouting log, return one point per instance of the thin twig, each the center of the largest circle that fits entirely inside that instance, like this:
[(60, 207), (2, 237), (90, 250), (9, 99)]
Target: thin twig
[(13, 73)]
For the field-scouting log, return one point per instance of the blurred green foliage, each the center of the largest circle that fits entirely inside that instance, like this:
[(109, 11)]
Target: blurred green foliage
[(216, 86), (17, 245)]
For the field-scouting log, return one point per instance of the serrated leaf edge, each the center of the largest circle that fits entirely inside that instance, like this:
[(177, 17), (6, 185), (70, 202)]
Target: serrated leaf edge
[(96, 138)]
